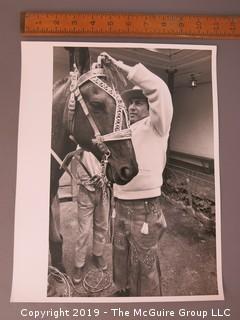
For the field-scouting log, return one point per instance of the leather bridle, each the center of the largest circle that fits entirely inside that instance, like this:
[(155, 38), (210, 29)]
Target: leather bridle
[(121, 116), (94, 75)]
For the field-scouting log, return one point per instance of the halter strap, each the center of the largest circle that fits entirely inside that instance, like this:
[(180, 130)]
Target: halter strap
[(120, 106), (96, 72), (114, 136), (121, 113), (88, 115)]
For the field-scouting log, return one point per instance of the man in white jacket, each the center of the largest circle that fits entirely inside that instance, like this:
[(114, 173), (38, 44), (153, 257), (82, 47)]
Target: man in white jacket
[(139, 219)]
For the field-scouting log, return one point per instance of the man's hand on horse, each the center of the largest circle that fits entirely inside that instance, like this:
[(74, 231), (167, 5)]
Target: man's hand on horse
[(97, 181), (117, 63)]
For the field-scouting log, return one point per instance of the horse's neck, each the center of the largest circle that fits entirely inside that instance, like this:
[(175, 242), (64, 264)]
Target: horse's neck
[(61, 143)]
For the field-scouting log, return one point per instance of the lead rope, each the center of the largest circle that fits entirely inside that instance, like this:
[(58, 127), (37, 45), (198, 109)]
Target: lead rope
[(104, 163), (96, 281), (62, 164)]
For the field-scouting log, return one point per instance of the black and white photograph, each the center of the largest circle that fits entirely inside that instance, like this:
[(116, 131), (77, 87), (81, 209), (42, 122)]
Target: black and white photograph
[(128, 184)]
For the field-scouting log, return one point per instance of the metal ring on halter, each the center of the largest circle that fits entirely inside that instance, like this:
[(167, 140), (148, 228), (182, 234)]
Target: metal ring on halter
[(108, 153)]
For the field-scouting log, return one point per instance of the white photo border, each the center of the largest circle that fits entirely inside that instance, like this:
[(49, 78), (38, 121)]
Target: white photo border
[(30, 268)]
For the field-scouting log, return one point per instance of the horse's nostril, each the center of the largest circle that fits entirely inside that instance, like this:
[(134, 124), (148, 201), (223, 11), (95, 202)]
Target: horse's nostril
[(125, 173)]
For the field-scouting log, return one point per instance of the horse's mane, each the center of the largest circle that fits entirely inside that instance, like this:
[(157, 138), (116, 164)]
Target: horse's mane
[(60, 82), (115, 76)]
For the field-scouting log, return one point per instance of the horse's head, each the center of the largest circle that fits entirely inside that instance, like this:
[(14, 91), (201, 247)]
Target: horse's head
[(100, 124)]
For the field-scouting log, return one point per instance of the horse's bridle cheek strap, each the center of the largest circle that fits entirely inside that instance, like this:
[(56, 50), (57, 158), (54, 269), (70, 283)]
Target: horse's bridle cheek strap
[(88, 115), (118, 133), (99, 142), (100, 139)]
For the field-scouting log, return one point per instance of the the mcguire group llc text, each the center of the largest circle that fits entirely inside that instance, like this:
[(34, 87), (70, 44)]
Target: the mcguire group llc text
[(74, 313)]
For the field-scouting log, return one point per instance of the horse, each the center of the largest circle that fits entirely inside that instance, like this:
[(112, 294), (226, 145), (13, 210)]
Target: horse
[(89, 112)]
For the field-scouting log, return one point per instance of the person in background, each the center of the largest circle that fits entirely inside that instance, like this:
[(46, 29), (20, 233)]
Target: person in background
[(139, 221), (93, 213)]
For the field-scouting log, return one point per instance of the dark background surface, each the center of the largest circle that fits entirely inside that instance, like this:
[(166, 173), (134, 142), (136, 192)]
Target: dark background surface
[(228, 69)]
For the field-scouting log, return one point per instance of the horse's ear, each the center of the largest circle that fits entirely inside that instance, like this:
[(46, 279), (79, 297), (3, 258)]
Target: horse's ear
[(79, 56)]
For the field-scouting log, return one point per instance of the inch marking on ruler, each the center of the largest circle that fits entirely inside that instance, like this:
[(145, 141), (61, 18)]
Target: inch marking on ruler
[(136, 25)]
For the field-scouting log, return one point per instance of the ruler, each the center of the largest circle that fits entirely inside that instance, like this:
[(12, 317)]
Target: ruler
[(130, 25)]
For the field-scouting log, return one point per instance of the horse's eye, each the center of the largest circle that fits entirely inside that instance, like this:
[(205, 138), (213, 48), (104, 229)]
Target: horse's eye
[(97, 106)]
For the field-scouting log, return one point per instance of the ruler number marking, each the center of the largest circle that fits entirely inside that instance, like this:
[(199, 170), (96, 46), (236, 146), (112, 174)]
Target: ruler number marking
[(233, 26), (56, 22), (199, 24), (146, 24)]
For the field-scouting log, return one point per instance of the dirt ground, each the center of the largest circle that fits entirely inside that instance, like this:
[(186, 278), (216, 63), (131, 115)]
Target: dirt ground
[(187, 256)]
